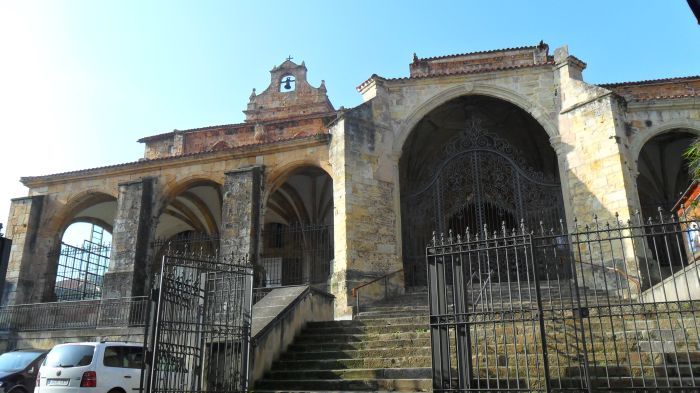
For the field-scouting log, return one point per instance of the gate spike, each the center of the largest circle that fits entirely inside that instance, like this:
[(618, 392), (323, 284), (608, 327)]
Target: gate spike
[(467, 234), (486, 231), (542, 227), (442, 238), (661, 214), (503, 227), (459, 238), (522, 226), (450, 239)]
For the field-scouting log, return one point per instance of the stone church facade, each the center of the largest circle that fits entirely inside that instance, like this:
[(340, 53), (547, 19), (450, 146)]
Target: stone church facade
[(475, 140)]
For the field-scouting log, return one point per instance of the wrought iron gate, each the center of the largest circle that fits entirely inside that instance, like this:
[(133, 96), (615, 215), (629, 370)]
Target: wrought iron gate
[(558, 310), (478, 180), (201, 326)]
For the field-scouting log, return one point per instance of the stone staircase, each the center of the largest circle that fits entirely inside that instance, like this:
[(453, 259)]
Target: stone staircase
[(387, 348)]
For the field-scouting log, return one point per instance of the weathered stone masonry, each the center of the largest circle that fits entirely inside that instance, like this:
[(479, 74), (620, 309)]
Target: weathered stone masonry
[(595, 131)]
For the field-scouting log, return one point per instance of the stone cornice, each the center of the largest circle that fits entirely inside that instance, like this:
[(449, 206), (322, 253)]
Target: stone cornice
[(144, 166)]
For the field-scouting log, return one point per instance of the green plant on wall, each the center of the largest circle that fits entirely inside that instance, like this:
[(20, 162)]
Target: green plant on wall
[(693, 157)]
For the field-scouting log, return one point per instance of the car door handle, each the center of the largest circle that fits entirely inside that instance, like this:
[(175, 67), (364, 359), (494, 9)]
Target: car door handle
[(127, 376)]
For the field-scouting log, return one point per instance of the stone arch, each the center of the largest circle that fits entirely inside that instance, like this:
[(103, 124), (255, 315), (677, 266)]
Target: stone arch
[(95, 207), (179, 201), (279, 174), (173, 189), (73, 206), (410, 122), (474, 161), (297, 225), (636, 145), (659, 175)]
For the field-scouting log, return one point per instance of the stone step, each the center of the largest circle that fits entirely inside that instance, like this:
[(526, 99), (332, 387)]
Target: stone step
[(366, 329), (359, 373), (332, 364), (355, 354), (364, 385), (423, 341), (353, 338), (402, 320)]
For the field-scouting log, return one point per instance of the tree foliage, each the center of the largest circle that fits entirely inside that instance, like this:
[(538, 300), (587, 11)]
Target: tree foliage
[(693, 157)]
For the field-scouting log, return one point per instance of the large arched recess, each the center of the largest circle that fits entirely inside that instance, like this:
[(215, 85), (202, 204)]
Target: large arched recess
[(78, 265), (474, 162), (297, 236), (189, 219), (663, 173)]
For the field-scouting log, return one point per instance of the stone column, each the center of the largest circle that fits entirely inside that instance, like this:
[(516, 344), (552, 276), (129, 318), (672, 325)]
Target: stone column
[(23, 275), (592, 144), (241, 213), (367, 209), (133, 231)]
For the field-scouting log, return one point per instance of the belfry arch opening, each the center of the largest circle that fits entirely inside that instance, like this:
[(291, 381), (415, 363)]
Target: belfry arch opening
[(85, 248), (474, 165), (297, 235)]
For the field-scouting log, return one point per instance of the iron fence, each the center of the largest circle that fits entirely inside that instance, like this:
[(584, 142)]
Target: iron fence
[(85, 314), (201, 317), (558, 310), (295, 255)]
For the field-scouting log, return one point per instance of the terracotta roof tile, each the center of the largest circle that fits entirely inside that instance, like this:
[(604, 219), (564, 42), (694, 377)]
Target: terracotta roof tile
[(319, 136), (480, 71), (234, 125), (649, 81), (478, 52)]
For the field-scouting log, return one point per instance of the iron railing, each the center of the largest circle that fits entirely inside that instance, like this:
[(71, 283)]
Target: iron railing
[(83, 314), (380, 284), (558, 310), (295, 254)]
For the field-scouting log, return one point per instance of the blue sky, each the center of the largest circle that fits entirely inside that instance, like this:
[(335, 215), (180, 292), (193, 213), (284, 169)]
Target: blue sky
[(81, 81)]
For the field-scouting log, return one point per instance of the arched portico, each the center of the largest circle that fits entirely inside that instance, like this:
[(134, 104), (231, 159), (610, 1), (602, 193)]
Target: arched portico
[(475, 163), (407, 125), (297, 230)]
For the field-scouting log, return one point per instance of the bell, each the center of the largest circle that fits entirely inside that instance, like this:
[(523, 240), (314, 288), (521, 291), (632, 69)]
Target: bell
[(287, 83)]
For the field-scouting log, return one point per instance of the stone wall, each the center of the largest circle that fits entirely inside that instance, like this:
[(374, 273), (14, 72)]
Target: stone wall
[(134, 228), (37, 222), (365, 197)]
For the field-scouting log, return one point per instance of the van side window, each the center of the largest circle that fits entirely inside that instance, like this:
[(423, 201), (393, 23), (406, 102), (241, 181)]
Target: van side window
[(123, 357)]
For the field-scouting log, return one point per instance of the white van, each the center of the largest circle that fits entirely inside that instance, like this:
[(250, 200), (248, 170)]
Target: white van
[(91, 367)]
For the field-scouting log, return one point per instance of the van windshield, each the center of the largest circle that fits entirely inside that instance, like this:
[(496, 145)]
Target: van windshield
[(70, 356)]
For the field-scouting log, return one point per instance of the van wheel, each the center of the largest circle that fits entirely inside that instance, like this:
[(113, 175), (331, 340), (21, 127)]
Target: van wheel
[(116, 390), (18, 390)]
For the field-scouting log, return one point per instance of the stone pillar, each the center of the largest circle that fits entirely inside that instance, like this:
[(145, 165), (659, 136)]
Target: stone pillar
[(596, 167), (241, 213), (22, 282), (365, 199), (133, 232), (592, 144)]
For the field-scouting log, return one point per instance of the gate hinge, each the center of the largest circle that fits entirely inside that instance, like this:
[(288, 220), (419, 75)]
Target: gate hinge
[(581, 312)]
